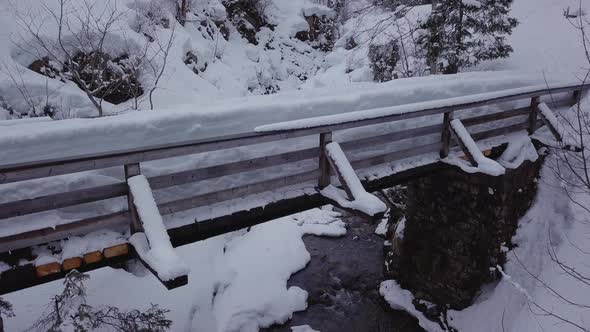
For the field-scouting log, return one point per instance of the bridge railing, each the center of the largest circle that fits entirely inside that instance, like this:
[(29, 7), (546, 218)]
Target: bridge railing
[(410, 140)]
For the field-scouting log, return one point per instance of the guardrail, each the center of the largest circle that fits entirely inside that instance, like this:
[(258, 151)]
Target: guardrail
[(131, 161)]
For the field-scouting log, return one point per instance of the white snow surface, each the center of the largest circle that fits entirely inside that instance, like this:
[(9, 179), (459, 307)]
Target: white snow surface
[(153, 245), (520, 148), (401, 299), (303, 328)]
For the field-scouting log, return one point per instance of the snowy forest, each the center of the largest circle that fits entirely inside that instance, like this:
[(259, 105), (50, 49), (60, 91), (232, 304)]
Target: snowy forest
[(294, 165)]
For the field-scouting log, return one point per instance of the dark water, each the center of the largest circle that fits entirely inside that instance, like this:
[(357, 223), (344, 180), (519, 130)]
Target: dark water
[(343, 280)]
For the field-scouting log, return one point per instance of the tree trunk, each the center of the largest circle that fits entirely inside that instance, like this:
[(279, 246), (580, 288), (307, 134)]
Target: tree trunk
[(182, 11)]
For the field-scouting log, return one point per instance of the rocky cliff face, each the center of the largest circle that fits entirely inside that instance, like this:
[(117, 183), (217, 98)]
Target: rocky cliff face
[(457, 229)]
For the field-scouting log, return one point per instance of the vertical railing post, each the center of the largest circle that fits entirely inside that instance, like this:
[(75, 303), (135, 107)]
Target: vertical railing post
[(533, 115), (132, 170), (324, 164), (577, 96), (446, 135)]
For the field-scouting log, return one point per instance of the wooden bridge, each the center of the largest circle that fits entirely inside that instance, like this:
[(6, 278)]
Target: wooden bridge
[(301, 189)]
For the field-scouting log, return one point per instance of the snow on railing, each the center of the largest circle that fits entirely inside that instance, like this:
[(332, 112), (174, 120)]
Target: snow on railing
[(461, 102), (473, 152), (153, 244), (556, 127), (354, 195)]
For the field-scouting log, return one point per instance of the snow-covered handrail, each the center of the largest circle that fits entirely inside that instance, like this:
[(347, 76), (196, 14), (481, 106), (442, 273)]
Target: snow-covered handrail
[(407, 143), (272, 132), (557, 128), (369, 117)]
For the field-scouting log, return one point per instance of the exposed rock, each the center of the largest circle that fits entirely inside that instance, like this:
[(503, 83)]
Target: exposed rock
[(113, 80), (222, 29), (320, 34), (350, 43), (44, 67), (383, 59), (458, 228), (247, 16), (192, 61)]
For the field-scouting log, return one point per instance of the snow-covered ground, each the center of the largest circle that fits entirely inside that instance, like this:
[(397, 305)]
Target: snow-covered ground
[(237, 282)]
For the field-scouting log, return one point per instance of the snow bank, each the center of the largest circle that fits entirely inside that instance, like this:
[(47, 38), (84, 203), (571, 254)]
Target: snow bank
[(153, 245), (401, 299)]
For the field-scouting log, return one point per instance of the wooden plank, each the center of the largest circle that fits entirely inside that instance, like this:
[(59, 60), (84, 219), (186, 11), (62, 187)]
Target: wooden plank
[(92, 257), (24, 277), (501, 131), (117, 250), (47, 269), (545, 114), (58, 166), (205, 229), (132, 170), (324, 164), (576, 97), (472, 121), (446, 135), (120, 219), (390, 137), (236, 192), (534, 111), (61, 200), (463, 144), (211, 172), (72, 263), (115, 220), (54, 201), (395, 156), (21, 277)]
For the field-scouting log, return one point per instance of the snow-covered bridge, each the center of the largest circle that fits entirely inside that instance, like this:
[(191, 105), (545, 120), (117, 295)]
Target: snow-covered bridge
[(276, 170)]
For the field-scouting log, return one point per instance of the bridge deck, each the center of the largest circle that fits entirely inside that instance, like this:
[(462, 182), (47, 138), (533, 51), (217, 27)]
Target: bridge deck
[(273, 184)]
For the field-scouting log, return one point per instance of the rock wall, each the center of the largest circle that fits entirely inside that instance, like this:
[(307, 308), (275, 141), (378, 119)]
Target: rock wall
[(458, 226)]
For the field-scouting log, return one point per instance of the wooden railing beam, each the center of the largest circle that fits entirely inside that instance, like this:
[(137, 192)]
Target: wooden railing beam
[(132, 170), (533, 115), (446, 135), (324, 164)]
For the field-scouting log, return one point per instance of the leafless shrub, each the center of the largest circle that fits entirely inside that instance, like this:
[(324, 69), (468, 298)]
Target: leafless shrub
[(69, 309)]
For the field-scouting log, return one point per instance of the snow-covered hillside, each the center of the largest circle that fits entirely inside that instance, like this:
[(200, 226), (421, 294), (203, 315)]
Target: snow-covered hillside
[(217, 82)]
